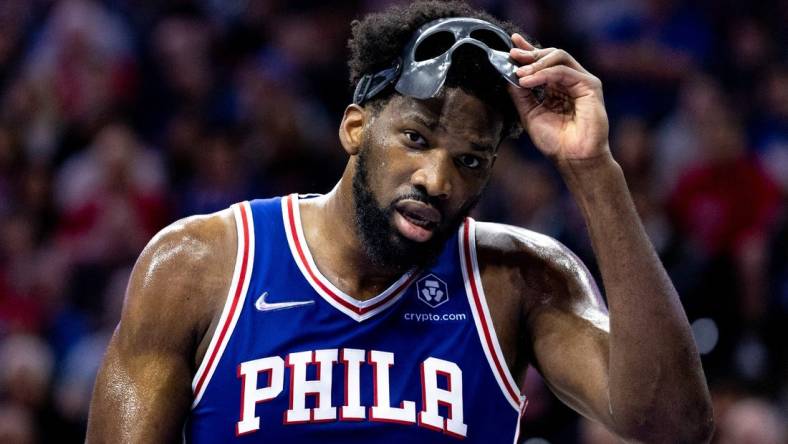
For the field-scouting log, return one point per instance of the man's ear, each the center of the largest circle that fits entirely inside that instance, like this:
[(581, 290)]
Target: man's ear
[(351, 129)]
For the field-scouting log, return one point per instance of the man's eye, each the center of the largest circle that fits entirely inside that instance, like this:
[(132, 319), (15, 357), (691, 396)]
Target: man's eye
[(416, 138), (469, 161)]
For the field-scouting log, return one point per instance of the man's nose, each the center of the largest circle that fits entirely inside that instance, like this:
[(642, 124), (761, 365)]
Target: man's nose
[(434, 174)]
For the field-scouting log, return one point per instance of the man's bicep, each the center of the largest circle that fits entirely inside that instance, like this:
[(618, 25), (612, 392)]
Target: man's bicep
[(570, 338), (572, 353), (143, 389), (140, 395)]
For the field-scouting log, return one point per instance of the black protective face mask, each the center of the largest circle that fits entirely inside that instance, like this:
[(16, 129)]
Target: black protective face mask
[(426, 59)]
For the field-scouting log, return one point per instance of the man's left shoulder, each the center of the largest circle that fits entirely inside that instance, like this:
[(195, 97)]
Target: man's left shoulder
[(534, 262), (511, 245)]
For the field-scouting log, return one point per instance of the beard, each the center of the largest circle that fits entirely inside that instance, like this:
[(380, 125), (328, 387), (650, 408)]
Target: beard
[(383, 244)]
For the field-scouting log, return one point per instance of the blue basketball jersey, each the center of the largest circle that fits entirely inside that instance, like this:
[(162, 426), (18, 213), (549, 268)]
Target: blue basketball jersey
[(294, 359)]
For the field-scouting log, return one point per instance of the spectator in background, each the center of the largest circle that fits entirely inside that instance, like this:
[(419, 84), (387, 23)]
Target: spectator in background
[(78, 70), (220, 177), (751, 421), (537, 205), (206, 88), (644, 56), (591, 19), (180, 44), (769, 131), (726, 201), (10, 159), (634, 147), (287, 135), (26, 369), (80, 365), (20, 309), (16, 425), (677, 142), (318, 69), (724, 209), (15, 16), (111, 197)]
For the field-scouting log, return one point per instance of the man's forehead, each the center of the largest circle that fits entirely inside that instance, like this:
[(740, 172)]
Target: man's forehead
[(453, 110)]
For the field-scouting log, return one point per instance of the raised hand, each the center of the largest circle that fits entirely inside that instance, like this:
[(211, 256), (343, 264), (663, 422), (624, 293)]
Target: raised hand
[(571, 122)]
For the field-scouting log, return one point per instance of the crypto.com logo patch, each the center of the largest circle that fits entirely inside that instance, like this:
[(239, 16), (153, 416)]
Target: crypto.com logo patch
[(432, 291)]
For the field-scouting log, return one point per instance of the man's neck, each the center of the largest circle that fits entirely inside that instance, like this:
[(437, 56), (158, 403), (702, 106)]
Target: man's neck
[(331, 235)]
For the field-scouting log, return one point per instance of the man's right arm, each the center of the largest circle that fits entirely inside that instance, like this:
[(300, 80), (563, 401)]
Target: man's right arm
[(177, 289)]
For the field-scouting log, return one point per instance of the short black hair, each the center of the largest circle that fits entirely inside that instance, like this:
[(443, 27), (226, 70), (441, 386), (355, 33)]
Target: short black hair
[(379, 38)]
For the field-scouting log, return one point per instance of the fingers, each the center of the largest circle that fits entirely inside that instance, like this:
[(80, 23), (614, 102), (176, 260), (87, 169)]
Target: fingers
[(574, 82), (552, 66), (536, 59), (522, 52), (520, 42)]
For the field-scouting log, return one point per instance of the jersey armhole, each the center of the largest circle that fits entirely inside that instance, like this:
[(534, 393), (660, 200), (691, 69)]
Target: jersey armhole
[(234, 301), (481, 316)]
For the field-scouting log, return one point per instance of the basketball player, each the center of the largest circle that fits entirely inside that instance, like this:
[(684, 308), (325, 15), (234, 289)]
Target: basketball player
[(380, 312)]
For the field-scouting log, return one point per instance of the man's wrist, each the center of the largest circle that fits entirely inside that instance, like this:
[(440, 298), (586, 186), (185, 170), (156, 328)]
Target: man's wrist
[(597, 176), (588, 168)]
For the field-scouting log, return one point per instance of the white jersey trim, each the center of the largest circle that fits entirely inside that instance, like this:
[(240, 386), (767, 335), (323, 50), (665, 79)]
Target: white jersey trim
[(355, 309), (482, 318), (244, 259)]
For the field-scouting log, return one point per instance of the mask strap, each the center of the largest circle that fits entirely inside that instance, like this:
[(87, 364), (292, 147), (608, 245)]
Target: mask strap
[(371, 85)]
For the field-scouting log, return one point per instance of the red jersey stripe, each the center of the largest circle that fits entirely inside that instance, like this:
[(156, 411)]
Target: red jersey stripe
[(238, 289)]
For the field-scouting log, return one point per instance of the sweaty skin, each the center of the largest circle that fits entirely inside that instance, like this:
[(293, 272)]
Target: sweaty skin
[(173, 301), (635, 370)]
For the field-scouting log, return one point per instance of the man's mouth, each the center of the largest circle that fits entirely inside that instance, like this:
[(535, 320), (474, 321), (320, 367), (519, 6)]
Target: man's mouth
[(416, 220)]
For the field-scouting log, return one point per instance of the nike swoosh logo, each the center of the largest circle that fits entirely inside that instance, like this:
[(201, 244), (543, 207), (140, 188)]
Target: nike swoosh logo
[(261, 304)]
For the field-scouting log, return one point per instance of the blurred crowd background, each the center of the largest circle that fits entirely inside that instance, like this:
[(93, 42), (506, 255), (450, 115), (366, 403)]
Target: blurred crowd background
[(118, 117)]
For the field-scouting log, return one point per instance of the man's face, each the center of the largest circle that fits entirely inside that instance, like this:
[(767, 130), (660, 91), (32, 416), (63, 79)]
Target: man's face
[(421, 169)]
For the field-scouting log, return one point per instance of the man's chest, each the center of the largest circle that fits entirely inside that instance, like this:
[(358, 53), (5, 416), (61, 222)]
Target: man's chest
[(418, 370)]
